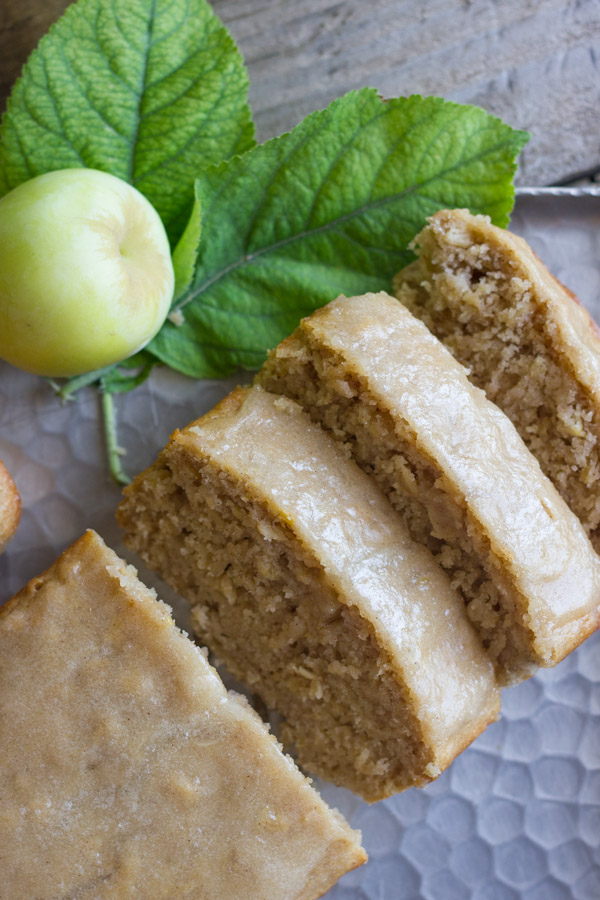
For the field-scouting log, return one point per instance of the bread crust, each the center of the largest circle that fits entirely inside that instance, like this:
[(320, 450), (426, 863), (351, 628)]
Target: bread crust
[(10, 507)]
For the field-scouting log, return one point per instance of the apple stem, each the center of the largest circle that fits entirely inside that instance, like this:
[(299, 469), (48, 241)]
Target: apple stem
[(113, 450)]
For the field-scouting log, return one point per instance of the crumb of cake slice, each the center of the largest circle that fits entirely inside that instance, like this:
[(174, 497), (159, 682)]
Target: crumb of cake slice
[(10, 507), (526, 340), (305, 582), (127, 769), (454, 466)]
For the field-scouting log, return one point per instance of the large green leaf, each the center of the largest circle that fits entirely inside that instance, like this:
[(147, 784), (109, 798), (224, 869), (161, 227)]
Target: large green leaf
[(152, 91), (329, 208)]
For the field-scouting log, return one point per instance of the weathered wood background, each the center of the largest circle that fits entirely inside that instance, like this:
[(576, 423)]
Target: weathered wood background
[(533, 62)]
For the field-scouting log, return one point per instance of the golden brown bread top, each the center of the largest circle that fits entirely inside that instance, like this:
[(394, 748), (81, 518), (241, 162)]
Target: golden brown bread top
[(127, 770), (10, 507)]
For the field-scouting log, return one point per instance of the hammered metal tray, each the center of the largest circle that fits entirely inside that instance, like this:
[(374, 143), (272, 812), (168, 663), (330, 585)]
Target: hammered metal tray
[(517, 815)]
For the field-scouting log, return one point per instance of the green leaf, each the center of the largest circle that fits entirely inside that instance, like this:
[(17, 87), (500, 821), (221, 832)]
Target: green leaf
[(152, 91), (128, 374), (329, 208), (186, 251)]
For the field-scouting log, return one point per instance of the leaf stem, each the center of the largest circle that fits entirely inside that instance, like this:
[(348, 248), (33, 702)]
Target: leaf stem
[(80, 381), (113, 450)]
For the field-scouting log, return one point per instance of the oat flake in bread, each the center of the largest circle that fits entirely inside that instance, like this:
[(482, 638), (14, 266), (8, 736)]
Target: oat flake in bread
[(128, 771), (305, 582), (526, 340), (453, 464), (10, 507)]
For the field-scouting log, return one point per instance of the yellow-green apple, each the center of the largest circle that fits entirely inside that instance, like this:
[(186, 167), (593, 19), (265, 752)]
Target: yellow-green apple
[(86, 277)]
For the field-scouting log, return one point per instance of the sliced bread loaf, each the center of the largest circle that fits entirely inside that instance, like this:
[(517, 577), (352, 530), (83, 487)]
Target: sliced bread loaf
[(453, 464), (305, 582)]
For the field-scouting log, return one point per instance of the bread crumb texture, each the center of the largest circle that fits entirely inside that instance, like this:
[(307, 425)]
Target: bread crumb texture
[(525, 340)]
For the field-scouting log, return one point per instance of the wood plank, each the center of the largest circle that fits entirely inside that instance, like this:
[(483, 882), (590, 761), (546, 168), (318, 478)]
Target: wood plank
[(533, 62), (22, 24)]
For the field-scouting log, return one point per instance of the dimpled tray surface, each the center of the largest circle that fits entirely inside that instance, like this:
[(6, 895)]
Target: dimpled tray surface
[(517, 815)]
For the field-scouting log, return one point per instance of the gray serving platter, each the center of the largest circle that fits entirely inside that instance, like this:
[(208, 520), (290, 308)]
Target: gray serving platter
[(517, 815)]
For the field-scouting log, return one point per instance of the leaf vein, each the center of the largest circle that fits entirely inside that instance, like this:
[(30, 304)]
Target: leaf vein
[(86, 97), (168, 160), (173, 100), (141, 90)]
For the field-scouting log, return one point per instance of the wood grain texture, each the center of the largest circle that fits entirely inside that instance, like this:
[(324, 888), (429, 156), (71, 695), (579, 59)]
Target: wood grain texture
[(533, 62), (22, 24)]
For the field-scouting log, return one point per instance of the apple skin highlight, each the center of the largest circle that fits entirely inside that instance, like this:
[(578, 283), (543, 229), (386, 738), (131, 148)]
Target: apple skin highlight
[(86, 277)]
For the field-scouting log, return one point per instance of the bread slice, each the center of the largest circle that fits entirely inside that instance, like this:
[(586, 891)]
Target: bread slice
[(10, 507), (128, 771), (452, 463), (305, 582), (526, 340)]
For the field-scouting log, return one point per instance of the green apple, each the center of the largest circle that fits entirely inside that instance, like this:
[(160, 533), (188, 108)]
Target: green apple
[(86, 277)]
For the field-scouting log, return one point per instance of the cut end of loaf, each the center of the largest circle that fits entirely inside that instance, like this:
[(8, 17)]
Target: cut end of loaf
[(483, 293)]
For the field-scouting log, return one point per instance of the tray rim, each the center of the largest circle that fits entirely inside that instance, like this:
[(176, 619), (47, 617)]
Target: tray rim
[(588, 190)]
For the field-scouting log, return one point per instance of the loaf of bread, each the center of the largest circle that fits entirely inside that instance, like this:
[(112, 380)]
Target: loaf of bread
[(10, 507), (305, 582), (454, 466), (525, 339), (128, 771)]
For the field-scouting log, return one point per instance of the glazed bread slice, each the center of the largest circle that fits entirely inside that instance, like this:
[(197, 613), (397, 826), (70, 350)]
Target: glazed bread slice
[(452, 463), (305, 582), (525, 339), (10, 507), (128, 771)]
